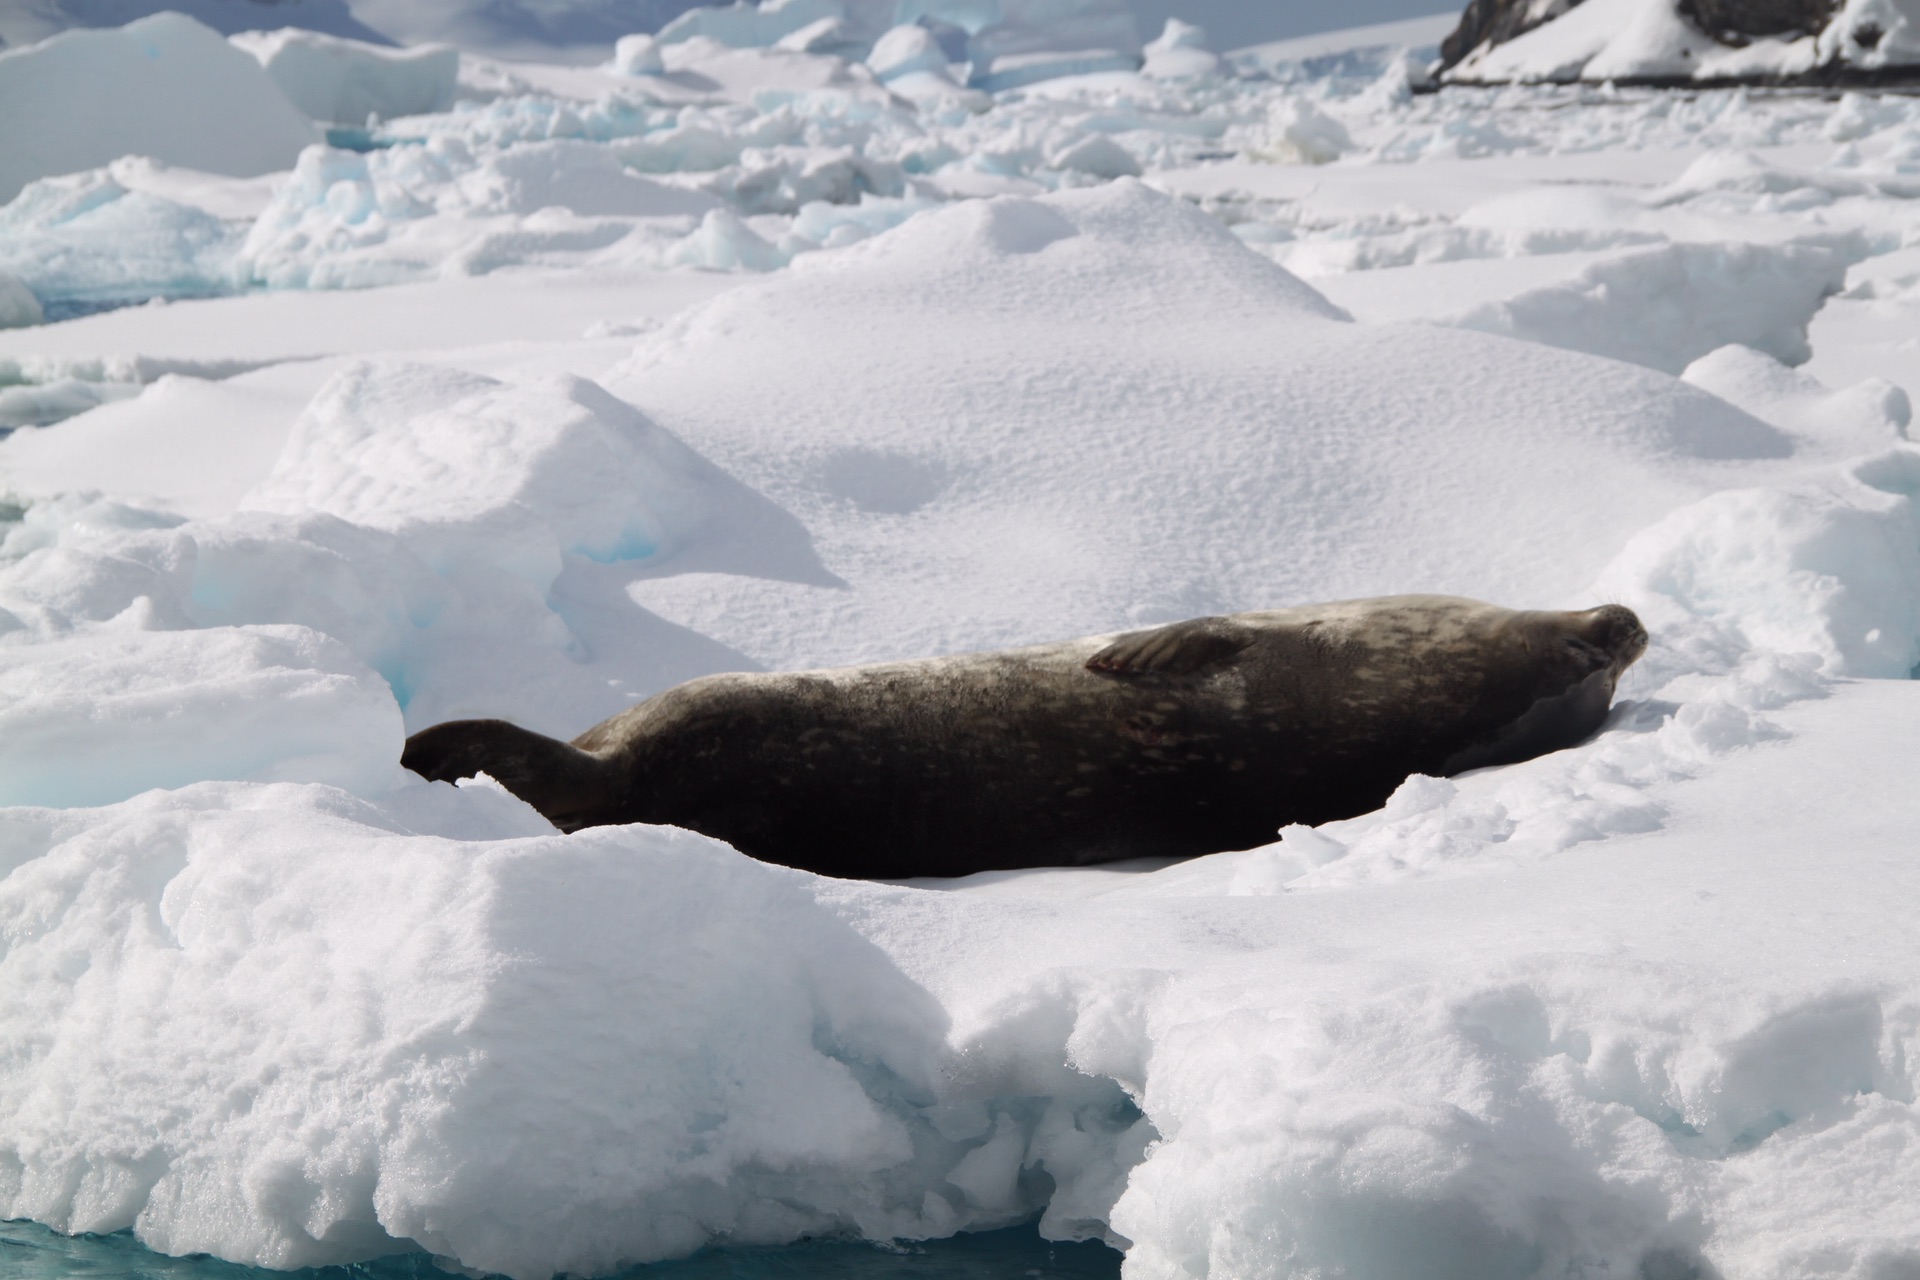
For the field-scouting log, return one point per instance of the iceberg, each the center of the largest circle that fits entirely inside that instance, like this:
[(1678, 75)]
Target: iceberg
[(163, 86), (338, 81)]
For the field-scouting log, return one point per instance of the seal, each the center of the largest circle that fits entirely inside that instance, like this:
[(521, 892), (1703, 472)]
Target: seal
[(1192, 738)]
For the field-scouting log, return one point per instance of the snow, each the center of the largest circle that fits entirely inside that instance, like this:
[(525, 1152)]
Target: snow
[(24, 24), (772, 343), (94, 720), (18, 305), (1178, 52), (638, 55), (345, 81), (173, 90), (904, 50), (1661, 306)]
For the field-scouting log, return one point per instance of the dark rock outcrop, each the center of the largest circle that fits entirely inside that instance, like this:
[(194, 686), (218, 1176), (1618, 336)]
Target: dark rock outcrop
[(1814, 44), (1735, 22), (1491, 22)]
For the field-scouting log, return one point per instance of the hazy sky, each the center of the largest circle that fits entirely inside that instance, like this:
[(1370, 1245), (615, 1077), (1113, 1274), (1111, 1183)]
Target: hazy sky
[(1233, 23)]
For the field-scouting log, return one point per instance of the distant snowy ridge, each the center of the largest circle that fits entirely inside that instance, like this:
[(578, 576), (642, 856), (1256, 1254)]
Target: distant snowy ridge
[(1013, 40), (24, 24), (178, 93), (1684, 41)]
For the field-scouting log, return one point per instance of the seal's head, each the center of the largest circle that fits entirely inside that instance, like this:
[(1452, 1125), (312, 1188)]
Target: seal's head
[(1555, 685), (1584, 643)]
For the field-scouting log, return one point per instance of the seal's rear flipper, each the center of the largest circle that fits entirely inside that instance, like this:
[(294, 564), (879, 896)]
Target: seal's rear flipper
[(563, 782)]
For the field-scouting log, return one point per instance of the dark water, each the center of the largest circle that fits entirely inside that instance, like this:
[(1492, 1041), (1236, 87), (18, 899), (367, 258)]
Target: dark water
[(29, 1251), (347, 138)]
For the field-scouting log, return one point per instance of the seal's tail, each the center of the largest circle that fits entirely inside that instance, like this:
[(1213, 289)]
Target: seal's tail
[(567, 785)]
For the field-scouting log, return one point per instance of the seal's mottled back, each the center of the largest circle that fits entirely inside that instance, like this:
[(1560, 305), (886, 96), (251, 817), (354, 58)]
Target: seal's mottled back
[(1191, 738)]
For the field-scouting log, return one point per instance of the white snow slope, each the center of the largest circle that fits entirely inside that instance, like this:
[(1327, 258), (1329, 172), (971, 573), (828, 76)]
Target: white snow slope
[(728, 358)]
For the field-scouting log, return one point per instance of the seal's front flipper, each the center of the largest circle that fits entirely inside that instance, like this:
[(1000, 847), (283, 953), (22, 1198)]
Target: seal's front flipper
[(566, 784), (1178, 649)]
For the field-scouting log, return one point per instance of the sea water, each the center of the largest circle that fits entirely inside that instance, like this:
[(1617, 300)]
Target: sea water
[(29, 1251)]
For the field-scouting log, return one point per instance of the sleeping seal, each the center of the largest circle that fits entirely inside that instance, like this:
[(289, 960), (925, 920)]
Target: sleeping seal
[(1191, 738)]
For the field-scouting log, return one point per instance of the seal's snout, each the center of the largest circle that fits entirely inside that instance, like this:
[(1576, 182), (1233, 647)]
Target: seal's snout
[(1616, 631)]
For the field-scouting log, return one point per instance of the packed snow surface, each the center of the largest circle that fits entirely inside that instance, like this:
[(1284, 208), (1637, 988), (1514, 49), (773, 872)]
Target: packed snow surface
[(796, 336)]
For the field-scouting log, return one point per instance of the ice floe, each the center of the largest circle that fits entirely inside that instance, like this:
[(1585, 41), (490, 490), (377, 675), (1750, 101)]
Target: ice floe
[(794, 336)]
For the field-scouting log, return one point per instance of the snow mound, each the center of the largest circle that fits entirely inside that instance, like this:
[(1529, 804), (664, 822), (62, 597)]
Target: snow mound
[(1072, 330), (722, 242), (904, 50), (1665, 307), (348, 1003), (1099, 156), (163, 86), (345, 81), (1180, 51), (638, 55), (350, 220), (461, 467), (1827, 566), (388, 1041), (1300, 133), (1861, 418), (85, 237), (96, 719), (454, 532)]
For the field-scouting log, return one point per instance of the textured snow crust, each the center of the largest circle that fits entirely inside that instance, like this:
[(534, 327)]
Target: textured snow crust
[(607, 377)]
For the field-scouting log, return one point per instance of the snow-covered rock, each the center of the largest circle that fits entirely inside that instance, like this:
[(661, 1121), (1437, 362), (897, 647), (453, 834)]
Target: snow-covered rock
[(1678, 40)]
